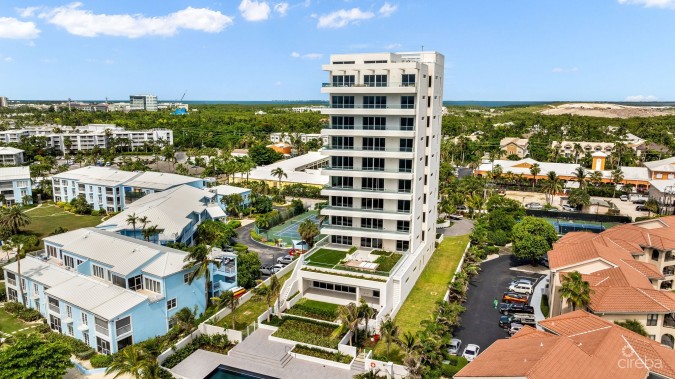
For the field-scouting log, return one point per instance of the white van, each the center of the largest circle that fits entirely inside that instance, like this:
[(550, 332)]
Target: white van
[(521, 288)]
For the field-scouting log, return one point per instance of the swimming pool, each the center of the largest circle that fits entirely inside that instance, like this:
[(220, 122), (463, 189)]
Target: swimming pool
[(225, 372)]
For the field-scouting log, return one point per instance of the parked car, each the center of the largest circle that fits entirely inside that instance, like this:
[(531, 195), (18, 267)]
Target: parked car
[(462, 208), (505, 321), (568, 208), (285, 260), (510, 297), (515, 328), (455, 345), (509, 308), (279, 266), (471, 352), (268, 270), (521, 288), (522, 281), (456, 216), (544, 260), (623, 197), (641, 208), (639, 200), (535, 206)]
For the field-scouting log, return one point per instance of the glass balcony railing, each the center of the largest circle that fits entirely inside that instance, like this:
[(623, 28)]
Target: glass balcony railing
[(369, 148), (373, 128), (351, 168), (366, 189), (371, 84), (373, 106)]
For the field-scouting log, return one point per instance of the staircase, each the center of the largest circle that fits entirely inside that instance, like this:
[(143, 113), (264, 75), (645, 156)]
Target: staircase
[(359, 364), (290, 284), (280, 362), (259, 349)]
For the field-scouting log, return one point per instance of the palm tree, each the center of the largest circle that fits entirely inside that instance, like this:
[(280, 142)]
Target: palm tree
[(262, 221), (308, 230), (185, 318), (275, 289), (349, 318), (617, 177), (130, 361), (408, 342), (414, 366), (132, 219), (200, 261), (279, 173), (535, 170), (13, 218), (475, 203), (150, 232), (144, 221), (580, 175), (389, 331), (371, 374), (227, 299), (595, 178), (263, 292), (576, 290), (552, 186), (366, 312)]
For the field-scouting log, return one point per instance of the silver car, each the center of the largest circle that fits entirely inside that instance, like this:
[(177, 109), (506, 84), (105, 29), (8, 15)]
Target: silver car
[(455, 345)]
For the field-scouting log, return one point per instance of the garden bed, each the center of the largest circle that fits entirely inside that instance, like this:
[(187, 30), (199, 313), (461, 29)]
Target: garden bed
[(307, 331), (326, 257), (314, 309), (386, 260), (217, 343), (322, 354)]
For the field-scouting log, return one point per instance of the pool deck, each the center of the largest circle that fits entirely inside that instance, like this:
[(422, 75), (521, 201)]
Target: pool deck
[(260, 355)]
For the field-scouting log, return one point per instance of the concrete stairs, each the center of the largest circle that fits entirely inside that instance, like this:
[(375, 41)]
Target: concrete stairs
[(359, 364), (261, 359)]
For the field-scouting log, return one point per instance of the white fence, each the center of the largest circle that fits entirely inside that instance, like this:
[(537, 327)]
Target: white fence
[(391, 370), (459, 268)]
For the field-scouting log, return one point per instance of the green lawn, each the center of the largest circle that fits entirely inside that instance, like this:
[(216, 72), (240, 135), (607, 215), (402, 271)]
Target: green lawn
[(430, 287), (387, 262), (327, 257), (9, 323), (314, 309), (249, 311), (46, 218)]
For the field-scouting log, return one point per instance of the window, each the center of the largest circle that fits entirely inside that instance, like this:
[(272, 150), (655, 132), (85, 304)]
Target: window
[(406, 144), (70, 330), (402, 226), (404, 186), (342, 122), (341, 221), (371, 223), (123, 326), (407, 123), (408, 80), (372, 184), (342, 201), (11, 278), (344, 163), (375, 80), (186, 278), (407, 102), (152, 285), (12, 295), (375, 102), (69, 261), (171, 304), (405, 165), (402, 245), (342, 102), (346, 143), (54, 305), (372, 204), (102, 346), (403, 206), (119, 281), (342, 181), (98, 271), (652, 320), (51, 251), (343, 80), (374, 123), (333, 287), (372, 164), (85, 318), (55, 323), (341, 240), (85, 337), (69, 311), (374, 243), (655, 255), (376, 293), (135, 283), (35, 289), (370, 143), (101, 326)]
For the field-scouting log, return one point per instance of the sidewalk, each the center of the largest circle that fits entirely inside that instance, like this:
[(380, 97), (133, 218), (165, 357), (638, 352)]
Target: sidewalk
[(539, 290)]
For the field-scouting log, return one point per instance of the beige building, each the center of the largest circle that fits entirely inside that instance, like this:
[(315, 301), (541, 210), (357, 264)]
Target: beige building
[(577, 149), (630, 269), (514, 146)]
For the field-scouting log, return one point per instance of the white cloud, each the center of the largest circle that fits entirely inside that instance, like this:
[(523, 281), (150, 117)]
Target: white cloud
[(392, 46), (11, 28), (6, 59), (281, 9), (278, 83), (88, 24), (562, 70), (640, 98), (28, 11), (651, 3), (387, 10), (295, 54), (343, 17), (252, 10)]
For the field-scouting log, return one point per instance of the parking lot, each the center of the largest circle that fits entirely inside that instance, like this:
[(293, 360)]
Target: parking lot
[(480, 322)]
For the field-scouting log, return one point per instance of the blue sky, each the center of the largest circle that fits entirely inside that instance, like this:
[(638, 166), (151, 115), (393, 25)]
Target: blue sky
[(273, 50)]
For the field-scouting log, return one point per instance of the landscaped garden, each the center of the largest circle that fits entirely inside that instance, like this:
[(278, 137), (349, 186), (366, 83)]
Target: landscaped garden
[(314, 309), (10, 323), (323, 354), (47, 218), (307, 331), (326, 257), (386, 260)]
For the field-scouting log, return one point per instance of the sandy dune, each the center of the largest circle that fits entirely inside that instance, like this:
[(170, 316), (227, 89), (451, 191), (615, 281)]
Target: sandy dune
[(608, 110)]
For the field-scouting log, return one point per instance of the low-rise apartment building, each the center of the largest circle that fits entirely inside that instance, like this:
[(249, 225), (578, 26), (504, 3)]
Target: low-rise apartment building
[(663, 191), (176, 212), (223, 190), (112, 189), (111, 291), (10, 156), (15, 184), (630, 269), (662, 170), (303, 169), (573, 345)]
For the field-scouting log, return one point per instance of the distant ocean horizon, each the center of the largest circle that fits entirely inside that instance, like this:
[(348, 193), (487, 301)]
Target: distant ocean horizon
[(460, 103)]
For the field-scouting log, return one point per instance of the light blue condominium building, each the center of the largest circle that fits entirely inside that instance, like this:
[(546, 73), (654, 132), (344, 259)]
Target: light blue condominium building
[(15, 184)]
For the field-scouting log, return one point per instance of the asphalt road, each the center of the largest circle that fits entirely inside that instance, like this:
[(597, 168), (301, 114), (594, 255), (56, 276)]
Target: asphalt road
[(480, 321), (459, 228), (268, 254)]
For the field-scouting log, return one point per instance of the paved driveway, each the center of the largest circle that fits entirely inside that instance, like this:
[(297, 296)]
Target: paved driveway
[(459, 228), (268, 254), (480, 321)]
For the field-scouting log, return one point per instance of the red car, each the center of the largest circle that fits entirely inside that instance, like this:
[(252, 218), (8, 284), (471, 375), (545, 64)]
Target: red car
[(510, 297)]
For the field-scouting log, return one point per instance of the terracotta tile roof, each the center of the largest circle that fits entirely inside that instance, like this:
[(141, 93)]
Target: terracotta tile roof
[(646, 269), (631, 300), (580, 345)]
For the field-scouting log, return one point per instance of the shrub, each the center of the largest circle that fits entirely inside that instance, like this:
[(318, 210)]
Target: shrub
[(43, 328), (84, 355), (314, 309), (217, 343), (29, 314), (323, 354), (234, 224), (95, 213), (309, 332), (491, 250), (3, 293), (100, 360), (74, 345), (498, 237), (13, 307)]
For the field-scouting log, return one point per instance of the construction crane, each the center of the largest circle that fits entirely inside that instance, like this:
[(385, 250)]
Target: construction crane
[(182, 97)]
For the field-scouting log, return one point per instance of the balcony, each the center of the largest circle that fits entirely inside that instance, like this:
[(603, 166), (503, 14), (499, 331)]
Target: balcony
[(54, 308), (333, 259), (362, 192), (122, 330), (357, 212), (370, 85), (388, 87), (669, 321), (360, 151), (358, 172), (370, 109), (362, 232)]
